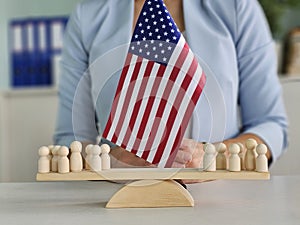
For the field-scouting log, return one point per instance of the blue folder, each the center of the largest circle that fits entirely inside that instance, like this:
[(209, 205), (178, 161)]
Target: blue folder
[(34, 41)]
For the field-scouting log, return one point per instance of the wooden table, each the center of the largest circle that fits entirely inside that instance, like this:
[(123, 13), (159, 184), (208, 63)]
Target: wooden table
[(274, 201)]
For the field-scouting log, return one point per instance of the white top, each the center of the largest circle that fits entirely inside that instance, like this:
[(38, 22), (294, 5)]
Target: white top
[(276, 201)]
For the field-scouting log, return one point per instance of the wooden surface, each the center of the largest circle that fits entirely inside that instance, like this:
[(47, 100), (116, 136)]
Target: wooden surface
[(153, 173)]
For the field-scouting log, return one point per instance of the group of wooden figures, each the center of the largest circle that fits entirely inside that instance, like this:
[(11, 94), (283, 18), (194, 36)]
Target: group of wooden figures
[(254, 159), (59, 159)]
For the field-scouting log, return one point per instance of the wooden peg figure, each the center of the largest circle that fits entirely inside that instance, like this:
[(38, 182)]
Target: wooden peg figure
[(88, 156), (209, 158), (105, 149), (63, 161), (261, 160), (234, 159), (50, 147), (221, 158), (76, 164), (54, 161), (44, 161), (250, 154), (95, 161), (242, 155)]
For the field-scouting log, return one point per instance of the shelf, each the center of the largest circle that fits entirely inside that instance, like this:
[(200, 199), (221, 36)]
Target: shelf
[(289, 78), (30, 91)]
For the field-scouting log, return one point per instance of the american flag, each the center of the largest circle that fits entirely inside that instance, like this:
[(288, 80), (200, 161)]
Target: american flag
[(158, 89)]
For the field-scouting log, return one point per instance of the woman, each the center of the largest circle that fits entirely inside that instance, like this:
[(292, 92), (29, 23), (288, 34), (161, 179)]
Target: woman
[(234, 46)]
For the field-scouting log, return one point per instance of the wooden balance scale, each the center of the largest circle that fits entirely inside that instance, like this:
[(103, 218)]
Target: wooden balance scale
[(152, 187)]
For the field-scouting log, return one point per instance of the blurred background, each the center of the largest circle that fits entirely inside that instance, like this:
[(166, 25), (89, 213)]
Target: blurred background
[(30, 45)]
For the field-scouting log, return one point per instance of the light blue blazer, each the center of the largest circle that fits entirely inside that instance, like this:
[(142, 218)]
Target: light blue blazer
[(232, 42)]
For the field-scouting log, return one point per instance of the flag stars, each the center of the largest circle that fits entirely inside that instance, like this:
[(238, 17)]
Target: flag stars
[(155, 33)]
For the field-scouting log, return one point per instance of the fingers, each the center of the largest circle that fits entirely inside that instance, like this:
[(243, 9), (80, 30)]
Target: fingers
[(190, 154), (183, 157), (124, 159), (189, 144), (178, 165)]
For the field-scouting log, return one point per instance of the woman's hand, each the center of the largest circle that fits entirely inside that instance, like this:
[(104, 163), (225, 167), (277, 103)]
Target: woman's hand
[(120, 158), (189, 155)]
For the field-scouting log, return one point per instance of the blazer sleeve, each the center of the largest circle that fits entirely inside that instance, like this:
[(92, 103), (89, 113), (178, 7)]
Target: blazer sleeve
[(76, 114), (260, 93)]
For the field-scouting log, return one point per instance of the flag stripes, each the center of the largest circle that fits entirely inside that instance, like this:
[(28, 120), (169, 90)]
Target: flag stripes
[(160, 84), (137, 124)]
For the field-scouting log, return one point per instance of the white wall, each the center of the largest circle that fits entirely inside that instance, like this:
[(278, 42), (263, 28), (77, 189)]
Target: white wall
[(27, 121), (24, 8), (289, 163)]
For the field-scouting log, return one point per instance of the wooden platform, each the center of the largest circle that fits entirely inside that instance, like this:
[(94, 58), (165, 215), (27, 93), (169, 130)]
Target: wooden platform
[(153, 173)]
